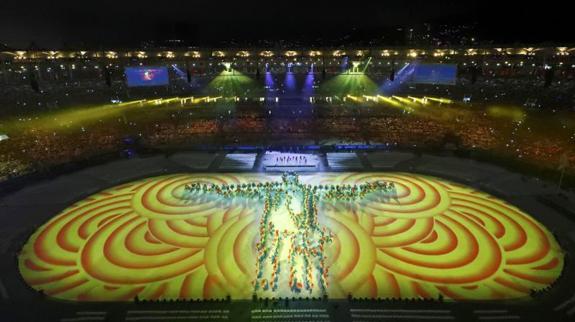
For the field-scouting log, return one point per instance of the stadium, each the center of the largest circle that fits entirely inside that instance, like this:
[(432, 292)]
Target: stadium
[(301, 183)]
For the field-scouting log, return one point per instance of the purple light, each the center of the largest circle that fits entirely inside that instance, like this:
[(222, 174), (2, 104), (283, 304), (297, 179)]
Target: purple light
[(344, 64), (290, 83), (269, 84), (308, 83)]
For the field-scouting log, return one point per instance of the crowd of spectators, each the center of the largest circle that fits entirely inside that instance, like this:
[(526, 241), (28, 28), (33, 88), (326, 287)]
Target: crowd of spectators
[(37, 148)]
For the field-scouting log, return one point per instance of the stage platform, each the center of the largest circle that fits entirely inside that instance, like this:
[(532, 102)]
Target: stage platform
[(290, 162)]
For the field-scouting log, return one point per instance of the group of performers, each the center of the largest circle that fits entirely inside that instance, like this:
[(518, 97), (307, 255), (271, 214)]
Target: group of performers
[(306, 238), (289, 160), (354, 192), (333, 192)]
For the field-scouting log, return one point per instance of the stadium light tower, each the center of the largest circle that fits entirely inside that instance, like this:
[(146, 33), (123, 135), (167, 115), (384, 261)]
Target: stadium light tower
[(228, 67), (355, 66)]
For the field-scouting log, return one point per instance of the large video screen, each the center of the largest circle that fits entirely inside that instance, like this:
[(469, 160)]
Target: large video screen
[(442, 74), (146, 76)]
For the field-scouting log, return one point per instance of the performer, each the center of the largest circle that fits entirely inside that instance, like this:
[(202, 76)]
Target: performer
[(302, 235)]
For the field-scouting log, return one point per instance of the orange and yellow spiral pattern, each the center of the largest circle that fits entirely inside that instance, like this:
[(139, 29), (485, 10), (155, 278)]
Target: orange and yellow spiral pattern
[(148, 238)]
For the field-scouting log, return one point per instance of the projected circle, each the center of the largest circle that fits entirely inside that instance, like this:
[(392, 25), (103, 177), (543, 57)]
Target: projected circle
[(201, 236)]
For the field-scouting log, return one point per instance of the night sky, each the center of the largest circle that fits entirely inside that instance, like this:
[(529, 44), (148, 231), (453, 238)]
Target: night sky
[(57, 23)]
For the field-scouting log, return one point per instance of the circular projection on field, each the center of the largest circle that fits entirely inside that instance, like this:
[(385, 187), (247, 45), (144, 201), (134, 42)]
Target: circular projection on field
[(200, 236)]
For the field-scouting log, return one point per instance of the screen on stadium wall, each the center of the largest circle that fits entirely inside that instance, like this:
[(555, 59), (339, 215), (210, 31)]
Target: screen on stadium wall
[(146, 76), (443, 74)]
